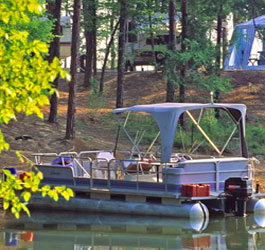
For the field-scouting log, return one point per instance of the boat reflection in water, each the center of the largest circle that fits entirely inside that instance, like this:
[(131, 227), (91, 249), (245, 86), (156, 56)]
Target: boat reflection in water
[(80, 232)]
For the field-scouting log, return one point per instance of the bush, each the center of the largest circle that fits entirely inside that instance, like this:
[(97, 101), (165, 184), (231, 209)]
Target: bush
[(255, 135)]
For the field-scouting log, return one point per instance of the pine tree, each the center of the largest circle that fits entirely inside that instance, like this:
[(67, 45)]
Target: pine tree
[(70, 125), (54, 9), (172, 47), (121, 61)]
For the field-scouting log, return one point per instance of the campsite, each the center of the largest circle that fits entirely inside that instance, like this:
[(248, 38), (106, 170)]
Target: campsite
[(132, 124)]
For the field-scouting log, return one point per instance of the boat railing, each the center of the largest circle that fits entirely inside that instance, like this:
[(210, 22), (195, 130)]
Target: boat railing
[(130, 170), (67, 159), (126, 170), (40, 158), (136, 171)]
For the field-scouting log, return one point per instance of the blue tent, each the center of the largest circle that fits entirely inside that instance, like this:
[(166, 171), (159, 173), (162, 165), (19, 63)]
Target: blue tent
[(247, 50)]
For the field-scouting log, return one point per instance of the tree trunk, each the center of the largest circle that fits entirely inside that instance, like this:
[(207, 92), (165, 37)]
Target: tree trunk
[(121, 63), (152, 40), (219, 40), (183, 49), (149, 6), (95, 39), (218, 53), (182, 89), (172, 25), (225, 44), (163, 5), (172, 47), (101, 83), (88, 15), (54, 8), (70, 125), (112, 53), (67, 8), (157, 5)]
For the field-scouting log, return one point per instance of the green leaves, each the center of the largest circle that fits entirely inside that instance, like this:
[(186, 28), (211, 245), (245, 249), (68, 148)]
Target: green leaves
[(5, 205), (66, 193), (25, 74), (26, 196), (17, 193), (53, 194)]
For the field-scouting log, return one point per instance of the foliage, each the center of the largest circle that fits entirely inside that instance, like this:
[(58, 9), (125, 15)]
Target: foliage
[(25, 75), (248, 9), (256, 139), (16, 193), (38, 29), (198, 59), (188, 139), (94, 85), (255, 136), (141, 126), (201, 69), (25, 82), (191, 139)]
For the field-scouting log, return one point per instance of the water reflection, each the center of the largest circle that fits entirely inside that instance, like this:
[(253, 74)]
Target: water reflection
[(68, 231)]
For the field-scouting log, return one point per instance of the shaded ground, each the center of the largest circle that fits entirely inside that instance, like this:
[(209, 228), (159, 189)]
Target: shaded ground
[(94, 125)]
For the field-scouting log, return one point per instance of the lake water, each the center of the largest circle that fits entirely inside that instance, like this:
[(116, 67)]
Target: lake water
[(75, 231)]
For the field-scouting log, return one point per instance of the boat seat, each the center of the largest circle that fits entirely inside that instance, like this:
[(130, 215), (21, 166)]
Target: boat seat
[(95, 173), (105, 155), (59, 174), (130, 167), (102, 159), (100, 165)]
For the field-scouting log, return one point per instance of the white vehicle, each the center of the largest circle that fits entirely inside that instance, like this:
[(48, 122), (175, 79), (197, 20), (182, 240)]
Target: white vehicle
[(138, 45), (66, 36)]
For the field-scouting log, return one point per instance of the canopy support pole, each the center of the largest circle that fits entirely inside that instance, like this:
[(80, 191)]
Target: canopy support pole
[(129, 137), (137, 141), (118, 134), (203, 133), (193, 146), (230, 137), (152, 144)]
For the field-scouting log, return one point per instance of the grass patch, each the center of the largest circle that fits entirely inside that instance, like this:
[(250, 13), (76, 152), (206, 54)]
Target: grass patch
[(255, 135), (142, 125), (96, 102)]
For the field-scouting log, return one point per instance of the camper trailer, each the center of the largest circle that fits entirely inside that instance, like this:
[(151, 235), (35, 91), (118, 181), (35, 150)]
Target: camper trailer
[(66, 36), (138, 45), (143, 47)]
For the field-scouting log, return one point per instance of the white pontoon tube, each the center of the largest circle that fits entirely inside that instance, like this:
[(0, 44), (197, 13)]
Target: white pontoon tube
[(167, 115)]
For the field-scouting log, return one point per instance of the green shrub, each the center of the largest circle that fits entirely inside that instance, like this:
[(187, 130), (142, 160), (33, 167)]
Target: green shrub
[(255, 135)]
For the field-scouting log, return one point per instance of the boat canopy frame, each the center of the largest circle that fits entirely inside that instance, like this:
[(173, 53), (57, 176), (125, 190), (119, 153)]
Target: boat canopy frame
[(167, 116)]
